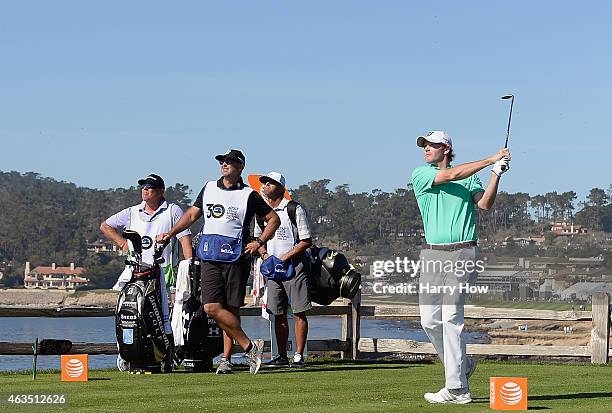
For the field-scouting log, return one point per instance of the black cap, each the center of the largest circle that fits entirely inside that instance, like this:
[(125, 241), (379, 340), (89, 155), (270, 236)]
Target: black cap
[(233, 154), (152, 180)]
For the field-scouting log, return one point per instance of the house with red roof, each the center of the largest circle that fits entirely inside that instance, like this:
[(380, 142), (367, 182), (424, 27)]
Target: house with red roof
[(54, 277)]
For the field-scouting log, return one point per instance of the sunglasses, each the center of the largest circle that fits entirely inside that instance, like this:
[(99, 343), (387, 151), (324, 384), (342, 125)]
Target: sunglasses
[(271, 183), (227, 161)]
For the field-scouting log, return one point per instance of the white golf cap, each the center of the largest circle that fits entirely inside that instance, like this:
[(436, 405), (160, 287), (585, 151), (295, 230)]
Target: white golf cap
[(435, 136), (273, 176)]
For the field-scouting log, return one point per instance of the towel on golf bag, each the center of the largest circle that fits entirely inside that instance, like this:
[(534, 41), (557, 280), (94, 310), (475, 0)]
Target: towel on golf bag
[(260, 291), (182, 294), (259, 282), (124, 278)]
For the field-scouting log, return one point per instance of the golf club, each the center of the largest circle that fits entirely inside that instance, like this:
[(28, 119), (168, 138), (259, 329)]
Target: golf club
[(506, 97), (136, 240)]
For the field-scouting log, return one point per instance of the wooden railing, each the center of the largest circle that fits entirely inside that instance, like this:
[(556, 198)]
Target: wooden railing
[(598, 348), (348, 311), (351, 344)]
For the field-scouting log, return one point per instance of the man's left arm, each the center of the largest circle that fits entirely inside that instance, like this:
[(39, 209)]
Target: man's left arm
[(272, 223), (297, 250), (484, 200), (184, 237), (186, 246), (263, 210)]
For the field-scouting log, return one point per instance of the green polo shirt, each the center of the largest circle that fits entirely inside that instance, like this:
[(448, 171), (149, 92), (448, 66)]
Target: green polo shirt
[(448, 209)]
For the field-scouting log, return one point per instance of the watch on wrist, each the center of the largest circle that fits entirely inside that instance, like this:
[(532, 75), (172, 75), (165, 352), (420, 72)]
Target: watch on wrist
[(260, 241)]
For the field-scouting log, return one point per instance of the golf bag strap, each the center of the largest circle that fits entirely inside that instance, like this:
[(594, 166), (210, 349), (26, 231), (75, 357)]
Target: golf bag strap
[(291, 208)]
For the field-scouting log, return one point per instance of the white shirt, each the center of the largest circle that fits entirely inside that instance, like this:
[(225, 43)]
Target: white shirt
[(121, 220), (302, 231)]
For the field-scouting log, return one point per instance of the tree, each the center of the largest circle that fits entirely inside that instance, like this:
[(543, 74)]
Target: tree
[(597, 197), (315, 197), (595, 211), (340, 211), (609, 193), (566, 202)]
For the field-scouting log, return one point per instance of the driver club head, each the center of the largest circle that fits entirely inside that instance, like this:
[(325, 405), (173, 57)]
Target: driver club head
[(507, 97), (135, 239)]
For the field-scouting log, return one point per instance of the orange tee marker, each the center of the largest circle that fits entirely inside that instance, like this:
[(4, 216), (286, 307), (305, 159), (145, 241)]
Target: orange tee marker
[(508, 393), (74, 367)]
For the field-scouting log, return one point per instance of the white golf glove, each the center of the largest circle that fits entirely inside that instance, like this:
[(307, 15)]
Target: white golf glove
[(501, 166)]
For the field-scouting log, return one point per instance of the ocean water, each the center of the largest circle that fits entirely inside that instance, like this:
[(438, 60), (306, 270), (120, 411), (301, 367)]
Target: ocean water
[(102, 330)]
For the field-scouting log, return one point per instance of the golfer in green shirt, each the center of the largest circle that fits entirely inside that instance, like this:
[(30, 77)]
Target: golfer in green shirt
[(448, 197)]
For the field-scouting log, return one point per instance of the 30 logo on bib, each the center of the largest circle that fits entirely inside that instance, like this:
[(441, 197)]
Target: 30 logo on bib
[(215, 210)]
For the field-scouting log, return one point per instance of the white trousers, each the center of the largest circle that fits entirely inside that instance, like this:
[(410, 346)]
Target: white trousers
[(442, 310)]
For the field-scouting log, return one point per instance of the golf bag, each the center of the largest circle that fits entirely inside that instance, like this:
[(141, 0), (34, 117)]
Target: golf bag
[(331, 276), (202, 337), (139, 324)]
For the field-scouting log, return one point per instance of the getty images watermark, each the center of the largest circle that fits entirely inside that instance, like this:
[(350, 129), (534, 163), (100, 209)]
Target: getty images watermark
[(435, 276)]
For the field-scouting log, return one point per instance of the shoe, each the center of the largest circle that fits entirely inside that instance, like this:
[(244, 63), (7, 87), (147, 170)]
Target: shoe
[(225, 367), (444, 396), (298, 361), (254, 355), (471, 367), (279, 361), (122, 365)]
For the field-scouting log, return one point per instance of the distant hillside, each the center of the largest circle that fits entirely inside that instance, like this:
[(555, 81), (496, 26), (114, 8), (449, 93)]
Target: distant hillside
[(43, 220)]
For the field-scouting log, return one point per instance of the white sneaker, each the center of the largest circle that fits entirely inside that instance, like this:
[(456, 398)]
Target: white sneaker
[(225, 366), (298, 361), (446, 397), (471, 367), (254, 356)]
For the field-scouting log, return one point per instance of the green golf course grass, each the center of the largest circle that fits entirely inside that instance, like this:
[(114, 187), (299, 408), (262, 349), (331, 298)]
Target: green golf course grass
[(322, 387)]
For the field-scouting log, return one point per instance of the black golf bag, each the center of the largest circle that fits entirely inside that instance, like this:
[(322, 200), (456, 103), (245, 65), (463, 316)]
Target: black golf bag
[(202, 337), (331, 276), (139, 323)]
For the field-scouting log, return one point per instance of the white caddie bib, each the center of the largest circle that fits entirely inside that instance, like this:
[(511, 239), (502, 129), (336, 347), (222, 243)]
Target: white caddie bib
[(283, 239), (148, 230), (224, 215)]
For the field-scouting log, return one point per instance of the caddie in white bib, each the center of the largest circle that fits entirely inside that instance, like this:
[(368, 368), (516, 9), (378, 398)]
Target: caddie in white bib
[(224, 216)]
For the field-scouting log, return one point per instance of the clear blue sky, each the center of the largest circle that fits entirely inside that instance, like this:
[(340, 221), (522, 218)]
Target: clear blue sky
[(101, 93)]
